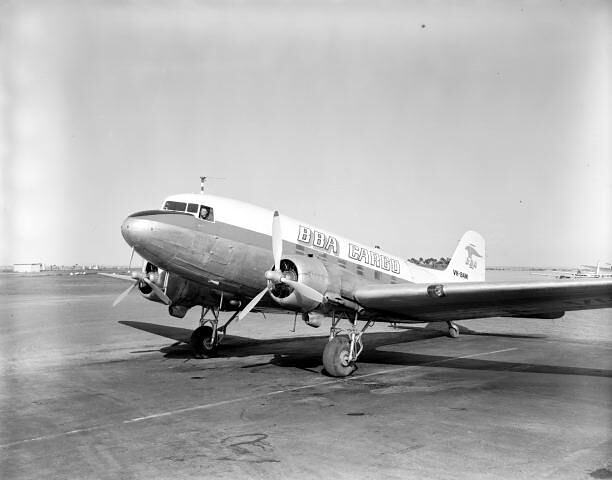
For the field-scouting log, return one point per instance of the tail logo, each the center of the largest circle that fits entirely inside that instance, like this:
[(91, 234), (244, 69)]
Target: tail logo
[(471, 255)]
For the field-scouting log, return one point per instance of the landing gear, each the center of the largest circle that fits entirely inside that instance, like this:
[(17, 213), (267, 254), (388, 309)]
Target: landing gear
[(336, 357), (342, 351), (206, 338), (453, 330), (203, 343)]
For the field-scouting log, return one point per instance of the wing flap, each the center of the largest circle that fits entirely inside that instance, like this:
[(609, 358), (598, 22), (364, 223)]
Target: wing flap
[(455, 301)]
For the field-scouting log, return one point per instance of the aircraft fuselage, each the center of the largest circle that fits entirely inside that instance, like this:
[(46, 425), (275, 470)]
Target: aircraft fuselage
[(229, 251)]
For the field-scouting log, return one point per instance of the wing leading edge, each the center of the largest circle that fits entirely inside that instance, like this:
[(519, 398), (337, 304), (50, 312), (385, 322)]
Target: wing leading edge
[(456, 301)]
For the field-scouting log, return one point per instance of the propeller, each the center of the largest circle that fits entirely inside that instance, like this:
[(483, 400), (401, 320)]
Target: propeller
[(158, 291), (136, 278), (276, 276), (124, 294)]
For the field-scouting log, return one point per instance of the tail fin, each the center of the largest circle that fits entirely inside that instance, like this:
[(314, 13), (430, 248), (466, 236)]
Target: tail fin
[(468, 262)]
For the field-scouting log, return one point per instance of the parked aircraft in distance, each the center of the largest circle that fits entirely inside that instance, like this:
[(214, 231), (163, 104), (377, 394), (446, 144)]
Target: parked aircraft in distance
[(586, 271), (226, 255)]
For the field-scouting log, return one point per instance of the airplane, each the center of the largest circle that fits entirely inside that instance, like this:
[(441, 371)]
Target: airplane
[(587, 271), (224, 255)]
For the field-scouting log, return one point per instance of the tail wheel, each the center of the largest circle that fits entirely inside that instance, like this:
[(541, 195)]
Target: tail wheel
[(202, 341), (336, 357), (453, 330)]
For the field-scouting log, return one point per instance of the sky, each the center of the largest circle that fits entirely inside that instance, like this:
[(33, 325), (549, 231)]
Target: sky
[(397, 123)]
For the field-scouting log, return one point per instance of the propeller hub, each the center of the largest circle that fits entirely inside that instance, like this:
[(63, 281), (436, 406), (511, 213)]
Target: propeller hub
[(274, 276)]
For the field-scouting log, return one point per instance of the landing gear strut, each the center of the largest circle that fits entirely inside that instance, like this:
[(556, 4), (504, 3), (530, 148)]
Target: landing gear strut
[(344, 346), (206, 338)]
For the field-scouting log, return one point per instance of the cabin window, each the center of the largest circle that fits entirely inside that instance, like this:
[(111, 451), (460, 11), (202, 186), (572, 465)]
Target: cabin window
[(206, 213), (359, 270), (192, 208), (175, 206)]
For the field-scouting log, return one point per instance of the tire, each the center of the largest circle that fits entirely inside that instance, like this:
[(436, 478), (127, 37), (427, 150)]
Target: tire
[(335, 357), (201, 342), (453, 332)]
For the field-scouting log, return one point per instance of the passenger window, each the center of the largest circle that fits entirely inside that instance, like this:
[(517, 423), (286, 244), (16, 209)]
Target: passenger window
[(206, 213), (192, 208)]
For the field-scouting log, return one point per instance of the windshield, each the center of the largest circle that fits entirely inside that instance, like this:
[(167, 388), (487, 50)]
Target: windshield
[(175, 206)]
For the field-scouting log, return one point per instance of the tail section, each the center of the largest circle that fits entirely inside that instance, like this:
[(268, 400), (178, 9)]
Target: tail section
[(468, 262)]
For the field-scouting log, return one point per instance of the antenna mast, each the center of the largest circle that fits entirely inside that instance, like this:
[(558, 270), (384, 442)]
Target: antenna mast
[(203, 179)]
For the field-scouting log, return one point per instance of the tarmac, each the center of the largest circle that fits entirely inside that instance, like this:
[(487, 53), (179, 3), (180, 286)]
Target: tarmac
[(88, 391)]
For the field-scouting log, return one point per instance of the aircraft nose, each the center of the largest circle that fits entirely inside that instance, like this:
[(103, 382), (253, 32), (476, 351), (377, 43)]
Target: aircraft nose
[(157, 235), (136, 229)]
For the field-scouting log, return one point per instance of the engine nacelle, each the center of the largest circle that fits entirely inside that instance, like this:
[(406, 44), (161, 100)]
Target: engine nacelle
[(183, 293), (306, 270)]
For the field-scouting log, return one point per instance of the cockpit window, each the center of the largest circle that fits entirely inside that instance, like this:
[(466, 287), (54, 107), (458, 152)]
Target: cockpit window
[(192, 208), (206, 213), (175, 206)]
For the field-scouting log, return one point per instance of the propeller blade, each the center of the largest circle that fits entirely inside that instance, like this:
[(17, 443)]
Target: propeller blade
[(131, 258), (124, 294), (277, 241), (158, 291), (245, 311), (304, 290), (117, 275)]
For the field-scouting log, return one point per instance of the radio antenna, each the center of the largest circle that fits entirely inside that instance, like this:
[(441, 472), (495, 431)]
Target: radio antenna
[(203, 179)]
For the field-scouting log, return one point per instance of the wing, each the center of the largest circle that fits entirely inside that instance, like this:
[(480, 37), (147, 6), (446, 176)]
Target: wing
[(456, 301)]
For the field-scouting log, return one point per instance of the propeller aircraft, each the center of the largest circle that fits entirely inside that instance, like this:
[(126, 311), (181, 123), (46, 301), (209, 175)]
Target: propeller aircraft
[(586, 271), (224, 255)]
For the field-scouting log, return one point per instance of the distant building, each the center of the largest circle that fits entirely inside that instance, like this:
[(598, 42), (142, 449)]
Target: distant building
[(27, 267)]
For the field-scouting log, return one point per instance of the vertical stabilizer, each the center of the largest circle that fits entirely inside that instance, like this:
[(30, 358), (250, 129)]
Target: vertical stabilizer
[(468, 262)]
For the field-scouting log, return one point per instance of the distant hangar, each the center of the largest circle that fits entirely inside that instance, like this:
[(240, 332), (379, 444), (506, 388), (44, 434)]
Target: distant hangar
[(27, 267)]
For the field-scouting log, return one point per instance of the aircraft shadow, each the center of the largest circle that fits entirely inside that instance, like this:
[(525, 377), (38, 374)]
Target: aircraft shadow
[(441, 327), (398, 358), (305, 352)]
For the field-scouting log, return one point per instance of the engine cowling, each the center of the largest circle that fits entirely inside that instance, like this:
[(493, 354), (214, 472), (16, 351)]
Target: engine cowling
[(183, 293), (306, 270), (157, 276)]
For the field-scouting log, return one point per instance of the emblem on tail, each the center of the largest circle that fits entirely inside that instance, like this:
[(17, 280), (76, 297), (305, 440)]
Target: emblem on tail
[(471, 252), (468, 262)]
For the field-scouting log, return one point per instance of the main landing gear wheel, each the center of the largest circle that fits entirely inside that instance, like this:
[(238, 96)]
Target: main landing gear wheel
[(202, 342), (453, 330), (336, 357)]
